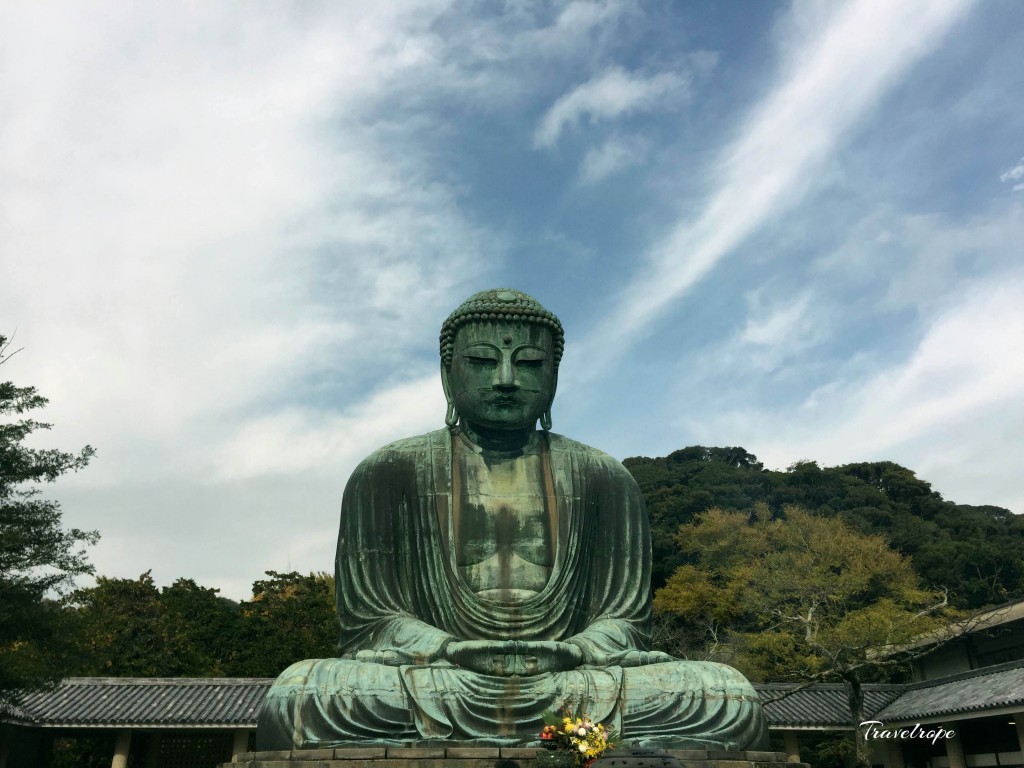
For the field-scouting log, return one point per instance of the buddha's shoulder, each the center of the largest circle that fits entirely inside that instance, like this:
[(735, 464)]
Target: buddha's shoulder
[(408, 449), (587, 455), (420, 447)]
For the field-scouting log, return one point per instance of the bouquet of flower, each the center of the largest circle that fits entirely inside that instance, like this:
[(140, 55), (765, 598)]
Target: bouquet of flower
[(578, 735)]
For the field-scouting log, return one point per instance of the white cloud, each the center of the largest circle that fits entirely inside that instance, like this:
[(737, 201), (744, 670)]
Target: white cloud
[(924, 257), (959, 368), (190, 235), (614, 155), (220, 227), (201, 226), (780, 323), (774, 344), (223, 228), (835, 76), (320, 443), (937, 410), (1015, 174), (501, 60), (610, 95), (577, 22)]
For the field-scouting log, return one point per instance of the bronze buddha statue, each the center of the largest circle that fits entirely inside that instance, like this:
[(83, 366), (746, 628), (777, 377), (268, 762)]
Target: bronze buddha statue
[(491, 571)]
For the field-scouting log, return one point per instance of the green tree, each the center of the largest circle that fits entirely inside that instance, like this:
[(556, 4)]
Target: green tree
[(119, 624), (130, 628), (807, 598), (38, 558), (205, 628), (290, 617), (683, 484)]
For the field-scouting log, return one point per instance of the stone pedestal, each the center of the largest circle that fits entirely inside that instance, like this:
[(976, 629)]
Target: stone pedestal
[(475, 757)]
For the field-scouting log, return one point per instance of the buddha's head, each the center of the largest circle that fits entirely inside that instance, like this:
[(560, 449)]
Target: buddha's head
[(499, 361)]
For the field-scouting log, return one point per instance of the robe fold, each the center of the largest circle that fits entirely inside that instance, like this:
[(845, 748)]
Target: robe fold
[(401, 600)]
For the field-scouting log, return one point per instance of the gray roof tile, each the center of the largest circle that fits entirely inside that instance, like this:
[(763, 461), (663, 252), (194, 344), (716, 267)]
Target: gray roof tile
[(821, 705), (987, 688), (149, 702)]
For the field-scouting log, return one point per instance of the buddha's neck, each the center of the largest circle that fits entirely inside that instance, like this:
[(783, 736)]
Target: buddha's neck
[(498, 440)]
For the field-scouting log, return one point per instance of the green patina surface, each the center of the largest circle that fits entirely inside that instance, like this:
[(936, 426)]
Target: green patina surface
[(491, 571)]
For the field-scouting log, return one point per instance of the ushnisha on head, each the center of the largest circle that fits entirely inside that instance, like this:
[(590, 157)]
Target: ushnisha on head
[(500, 352)]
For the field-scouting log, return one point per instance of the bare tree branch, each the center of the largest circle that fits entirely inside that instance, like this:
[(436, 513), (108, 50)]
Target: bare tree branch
[(5, 344)]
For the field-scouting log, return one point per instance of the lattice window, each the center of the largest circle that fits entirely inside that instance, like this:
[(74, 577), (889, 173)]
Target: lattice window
[(194, 750)]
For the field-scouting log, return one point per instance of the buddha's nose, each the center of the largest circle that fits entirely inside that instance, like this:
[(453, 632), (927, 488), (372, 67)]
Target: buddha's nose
[(505, 375)]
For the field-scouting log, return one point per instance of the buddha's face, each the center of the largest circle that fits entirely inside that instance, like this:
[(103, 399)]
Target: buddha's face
[(502, 374)]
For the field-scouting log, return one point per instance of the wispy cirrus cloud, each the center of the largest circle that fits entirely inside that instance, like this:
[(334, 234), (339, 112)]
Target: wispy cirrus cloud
[(938, 410), (501, 60), (895, 348), (612, 94), (836, 72)]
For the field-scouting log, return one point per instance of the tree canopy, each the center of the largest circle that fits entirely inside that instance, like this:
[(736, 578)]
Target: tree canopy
[(289, 618), (39, 559), (977, 552), (808, 596), (133, 628), (799, 596)]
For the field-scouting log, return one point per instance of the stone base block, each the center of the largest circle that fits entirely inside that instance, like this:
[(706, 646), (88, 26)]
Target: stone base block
[(415, 756)]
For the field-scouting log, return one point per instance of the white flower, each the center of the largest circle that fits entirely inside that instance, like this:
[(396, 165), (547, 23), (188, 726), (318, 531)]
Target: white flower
[(581, 732), (583, 748)]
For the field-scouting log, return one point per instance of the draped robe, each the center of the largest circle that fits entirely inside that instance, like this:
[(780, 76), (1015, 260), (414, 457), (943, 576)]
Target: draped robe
[(399, 593)]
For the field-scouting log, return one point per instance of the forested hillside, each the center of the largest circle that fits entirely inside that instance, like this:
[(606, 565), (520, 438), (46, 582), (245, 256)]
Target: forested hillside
[(977, 553)]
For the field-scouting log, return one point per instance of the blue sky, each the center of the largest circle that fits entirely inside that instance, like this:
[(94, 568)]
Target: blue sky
[(229, 235)]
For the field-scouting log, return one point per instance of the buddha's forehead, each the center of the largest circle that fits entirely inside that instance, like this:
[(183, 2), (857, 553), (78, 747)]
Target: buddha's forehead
[(503, 333)]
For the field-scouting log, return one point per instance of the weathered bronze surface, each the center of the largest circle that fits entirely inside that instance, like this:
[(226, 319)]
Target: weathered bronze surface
[(491, 571)]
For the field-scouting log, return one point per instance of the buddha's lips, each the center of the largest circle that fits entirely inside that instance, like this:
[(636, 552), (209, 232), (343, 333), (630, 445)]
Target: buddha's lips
[(504, 400)]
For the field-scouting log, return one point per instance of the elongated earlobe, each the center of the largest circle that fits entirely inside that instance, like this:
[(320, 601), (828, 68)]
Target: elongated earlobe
[(451, 418), (545, 420)]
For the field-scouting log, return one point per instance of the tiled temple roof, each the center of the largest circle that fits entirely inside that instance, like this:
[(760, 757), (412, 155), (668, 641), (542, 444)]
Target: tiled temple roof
[(989, 688), (208, 702), (821, 705)]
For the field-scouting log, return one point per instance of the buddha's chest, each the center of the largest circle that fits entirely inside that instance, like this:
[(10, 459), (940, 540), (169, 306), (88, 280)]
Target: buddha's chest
[(503, 539)]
